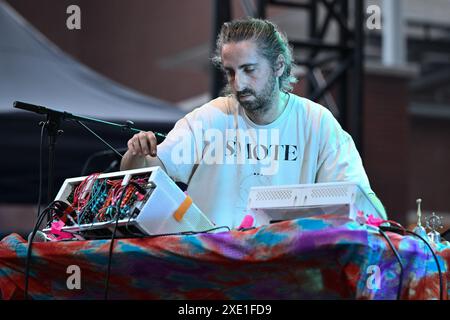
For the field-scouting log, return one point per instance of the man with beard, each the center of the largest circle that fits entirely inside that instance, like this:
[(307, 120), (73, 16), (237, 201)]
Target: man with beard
[(257, 134)]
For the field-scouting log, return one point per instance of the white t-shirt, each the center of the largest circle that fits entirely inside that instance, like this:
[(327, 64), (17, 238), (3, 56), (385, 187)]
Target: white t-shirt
[(220, 153)]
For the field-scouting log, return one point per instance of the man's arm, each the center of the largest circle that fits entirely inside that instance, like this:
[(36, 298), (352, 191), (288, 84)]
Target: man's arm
[(141, 153), (135, 162), (378, 204)]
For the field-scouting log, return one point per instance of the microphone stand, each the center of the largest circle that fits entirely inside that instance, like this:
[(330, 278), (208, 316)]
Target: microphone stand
[(53, 123)]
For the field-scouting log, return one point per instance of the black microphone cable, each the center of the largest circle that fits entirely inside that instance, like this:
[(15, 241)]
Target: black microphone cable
[(52, 210), (188, 233), (441, 286), (111, 245), (30, 245), (441, 289), (39, 214), (400, 283), (117, 217), (41, 146)]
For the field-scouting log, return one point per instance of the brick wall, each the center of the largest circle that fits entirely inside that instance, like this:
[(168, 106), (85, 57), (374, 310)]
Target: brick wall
[(386, 138), (429, 176)]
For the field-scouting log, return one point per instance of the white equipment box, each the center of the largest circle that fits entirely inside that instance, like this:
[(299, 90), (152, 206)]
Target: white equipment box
[(153, 215), (286, 202)]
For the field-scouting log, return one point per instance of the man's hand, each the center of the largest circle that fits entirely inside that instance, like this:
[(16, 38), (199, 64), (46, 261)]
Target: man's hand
[(141, 152), (143, 144)]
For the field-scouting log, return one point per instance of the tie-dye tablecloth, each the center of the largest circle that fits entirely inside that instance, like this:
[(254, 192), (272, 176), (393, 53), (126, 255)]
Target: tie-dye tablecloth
[(313, 258)]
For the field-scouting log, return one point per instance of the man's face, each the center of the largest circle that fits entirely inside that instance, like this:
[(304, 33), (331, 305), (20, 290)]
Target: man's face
[(250, 77)]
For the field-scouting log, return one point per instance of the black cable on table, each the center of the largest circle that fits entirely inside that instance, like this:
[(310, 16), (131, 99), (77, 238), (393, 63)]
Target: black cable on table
[(441, 285), (400, 282)]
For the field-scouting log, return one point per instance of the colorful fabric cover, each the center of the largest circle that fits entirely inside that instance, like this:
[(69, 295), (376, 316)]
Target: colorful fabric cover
[(311, 258)]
